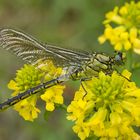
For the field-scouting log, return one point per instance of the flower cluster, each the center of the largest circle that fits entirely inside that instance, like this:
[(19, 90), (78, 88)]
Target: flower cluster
[(30, 76), (122, 27), (52, 96), (26, 78), (106, 108)]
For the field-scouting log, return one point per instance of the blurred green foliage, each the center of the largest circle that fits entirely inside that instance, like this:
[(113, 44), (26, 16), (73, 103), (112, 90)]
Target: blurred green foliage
[(72, 24)]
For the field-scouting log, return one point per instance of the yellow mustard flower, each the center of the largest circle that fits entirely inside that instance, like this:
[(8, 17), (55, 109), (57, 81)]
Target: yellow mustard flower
[(30, 76), (134, 38), (27, 108), (26, 78), (118, 37), (53, 96), (113, 16), (122, 28), (81, 129), (49, 70), (77, 108), (108, 108), (128, 15), (13, 86)]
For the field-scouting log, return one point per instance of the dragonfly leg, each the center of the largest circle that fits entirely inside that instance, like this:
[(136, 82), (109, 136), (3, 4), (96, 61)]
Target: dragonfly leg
[(123, 75), (82, 80)]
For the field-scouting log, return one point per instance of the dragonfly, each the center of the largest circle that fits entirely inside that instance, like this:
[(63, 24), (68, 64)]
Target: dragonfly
[(79, 65)]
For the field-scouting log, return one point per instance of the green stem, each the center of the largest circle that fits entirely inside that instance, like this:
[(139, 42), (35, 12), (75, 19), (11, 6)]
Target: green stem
[(129, 62), (63, 106)]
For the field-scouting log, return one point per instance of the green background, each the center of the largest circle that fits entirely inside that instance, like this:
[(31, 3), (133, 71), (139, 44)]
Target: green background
[(66, 23)]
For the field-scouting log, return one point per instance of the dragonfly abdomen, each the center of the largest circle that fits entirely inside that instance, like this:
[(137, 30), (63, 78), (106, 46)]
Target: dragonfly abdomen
[(29, 92)]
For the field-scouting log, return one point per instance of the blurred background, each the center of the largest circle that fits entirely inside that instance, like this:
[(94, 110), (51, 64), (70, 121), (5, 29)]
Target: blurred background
[(66, 23)]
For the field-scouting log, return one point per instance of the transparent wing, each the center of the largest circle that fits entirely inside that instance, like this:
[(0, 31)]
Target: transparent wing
[(31, 50)]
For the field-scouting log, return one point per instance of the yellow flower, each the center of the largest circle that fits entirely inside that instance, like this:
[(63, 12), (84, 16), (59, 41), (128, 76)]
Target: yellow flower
[(53, 96), (50, 71), (13, 86), (118, 37), (135, 40), (27, 109), (28, 77), (123, 10), (127, 15), (82, 130), (98, 117), (122, 28), (113, 17), (108, 110), (78, 108)]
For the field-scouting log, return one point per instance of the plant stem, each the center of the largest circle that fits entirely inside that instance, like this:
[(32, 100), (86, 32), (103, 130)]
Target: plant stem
[(129, 62)]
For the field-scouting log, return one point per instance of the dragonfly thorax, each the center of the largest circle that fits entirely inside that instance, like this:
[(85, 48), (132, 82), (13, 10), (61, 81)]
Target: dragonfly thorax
[(96, 63)]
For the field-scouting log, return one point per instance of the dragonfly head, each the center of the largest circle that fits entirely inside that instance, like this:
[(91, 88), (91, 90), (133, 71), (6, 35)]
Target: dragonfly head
[(119, 58)]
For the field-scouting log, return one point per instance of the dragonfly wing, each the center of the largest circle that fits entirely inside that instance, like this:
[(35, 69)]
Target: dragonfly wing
[(31, 50), (20, 44), (70, 57)]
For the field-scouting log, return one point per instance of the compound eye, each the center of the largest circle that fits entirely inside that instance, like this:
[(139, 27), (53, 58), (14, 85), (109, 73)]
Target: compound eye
[(118, 58), (120, 54)]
